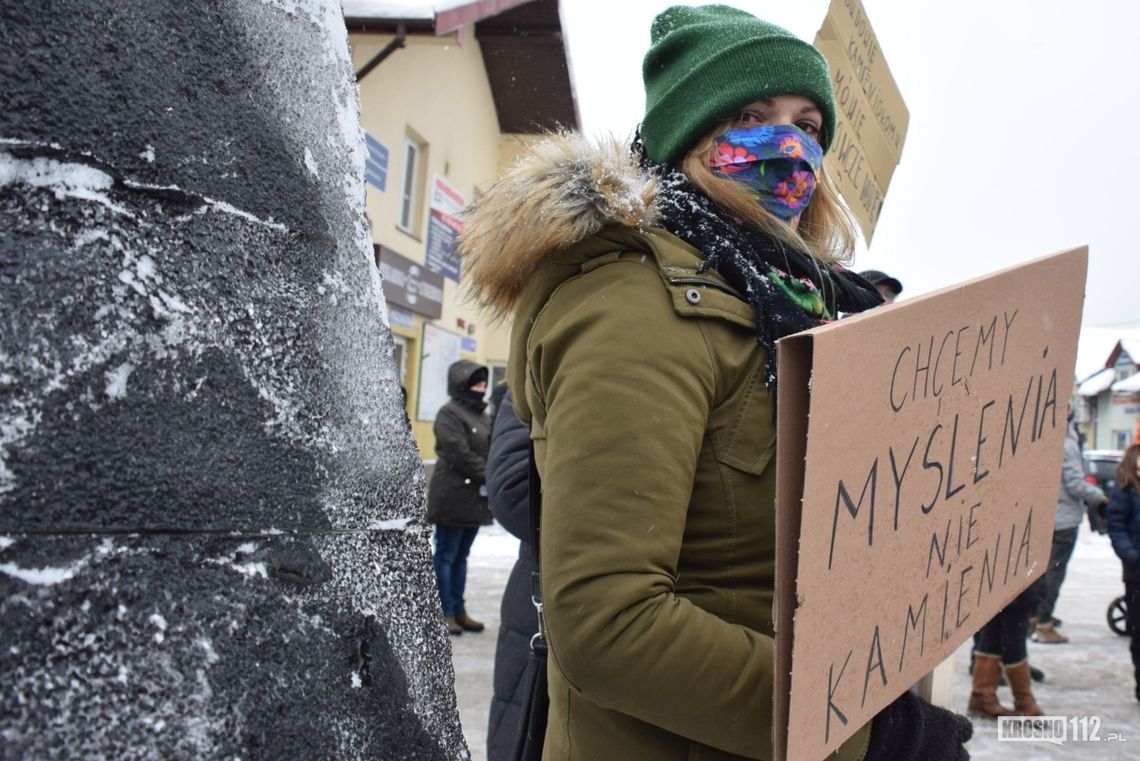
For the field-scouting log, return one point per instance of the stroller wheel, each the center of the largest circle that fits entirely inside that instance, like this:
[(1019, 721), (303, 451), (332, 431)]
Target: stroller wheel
[(1118, 616)]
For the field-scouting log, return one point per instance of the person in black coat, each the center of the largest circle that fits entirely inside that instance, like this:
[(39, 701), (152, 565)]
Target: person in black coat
[(1123, 514), (457, 502), (508, 468)]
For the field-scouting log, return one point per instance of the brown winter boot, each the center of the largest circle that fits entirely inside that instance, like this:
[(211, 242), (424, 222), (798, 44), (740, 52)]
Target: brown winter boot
[(453, 626), (1024, 704), (983, 696), (1048, 634), (468, 623)]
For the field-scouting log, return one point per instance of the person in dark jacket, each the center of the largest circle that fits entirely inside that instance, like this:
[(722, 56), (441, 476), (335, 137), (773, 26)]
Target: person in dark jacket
[(457, 502), (508, 470), (1123, 515)]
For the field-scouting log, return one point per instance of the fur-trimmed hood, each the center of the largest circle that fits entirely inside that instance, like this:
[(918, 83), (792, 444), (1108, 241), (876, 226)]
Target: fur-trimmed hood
[(564, 189)]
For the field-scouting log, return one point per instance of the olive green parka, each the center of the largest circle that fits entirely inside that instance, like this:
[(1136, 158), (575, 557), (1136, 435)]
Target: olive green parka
[(645, 392)]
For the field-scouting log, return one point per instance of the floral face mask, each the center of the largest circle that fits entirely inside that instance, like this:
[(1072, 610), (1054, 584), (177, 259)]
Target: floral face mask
[(779, 162)]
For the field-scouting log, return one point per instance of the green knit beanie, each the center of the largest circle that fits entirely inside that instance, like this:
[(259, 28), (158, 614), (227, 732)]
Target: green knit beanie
[(705, 63)]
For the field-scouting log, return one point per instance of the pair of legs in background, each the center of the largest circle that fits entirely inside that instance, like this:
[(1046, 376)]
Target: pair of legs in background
[(1048, 587), (1132, 610), (998, 645), (452, 546)]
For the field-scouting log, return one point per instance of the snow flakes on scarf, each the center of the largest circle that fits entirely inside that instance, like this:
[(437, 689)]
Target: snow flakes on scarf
[(788, 290)]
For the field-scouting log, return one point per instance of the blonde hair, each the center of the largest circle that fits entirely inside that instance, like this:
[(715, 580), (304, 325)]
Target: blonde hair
[(825, 230), (1126, 469)]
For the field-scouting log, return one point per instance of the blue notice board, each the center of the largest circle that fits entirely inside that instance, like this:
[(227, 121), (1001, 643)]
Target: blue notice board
[(376, 163), (441, 255)]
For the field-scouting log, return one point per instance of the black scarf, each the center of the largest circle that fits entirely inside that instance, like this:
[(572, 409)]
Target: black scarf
[(472, 400), (743, 256)]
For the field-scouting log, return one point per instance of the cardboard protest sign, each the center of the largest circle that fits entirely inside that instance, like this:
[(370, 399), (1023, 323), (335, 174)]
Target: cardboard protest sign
[(919, 458), (872, 118)]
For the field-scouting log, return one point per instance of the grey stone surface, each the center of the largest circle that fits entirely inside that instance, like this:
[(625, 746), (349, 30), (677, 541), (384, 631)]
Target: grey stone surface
[(211, 509), (215, 647)]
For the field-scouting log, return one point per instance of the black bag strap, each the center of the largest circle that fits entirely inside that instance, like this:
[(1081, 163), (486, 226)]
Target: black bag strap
[(538, 641)]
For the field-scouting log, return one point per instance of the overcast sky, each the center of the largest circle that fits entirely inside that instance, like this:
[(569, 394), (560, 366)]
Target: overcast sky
[(1021, 139)]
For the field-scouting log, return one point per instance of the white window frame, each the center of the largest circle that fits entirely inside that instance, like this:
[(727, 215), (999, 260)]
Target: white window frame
[(408, 217)]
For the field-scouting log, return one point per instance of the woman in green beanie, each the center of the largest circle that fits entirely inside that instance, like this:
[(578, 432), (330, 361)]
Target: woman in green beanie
[(648, 285)]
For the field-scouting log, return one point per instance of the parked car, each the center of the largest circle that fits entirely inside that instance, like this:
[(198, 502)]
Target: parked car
[(1100, 470), (1100, 467)]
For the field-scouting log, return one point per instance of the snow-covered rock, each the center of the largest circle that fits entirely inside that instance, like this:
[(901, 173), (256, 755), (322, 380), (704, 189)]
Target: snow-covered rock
[(210, 504)]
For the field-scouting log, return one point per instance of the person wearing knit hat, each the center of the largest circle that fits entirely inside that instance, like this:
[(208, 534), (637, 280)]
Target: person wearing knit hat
[(708, 62), (647, 286)]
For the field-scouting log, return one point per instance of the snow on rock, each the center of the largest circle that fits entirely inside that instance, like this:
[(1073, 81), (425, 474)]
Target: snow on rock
[(117, 381), (198, 449), (40, 576), (64, 180)]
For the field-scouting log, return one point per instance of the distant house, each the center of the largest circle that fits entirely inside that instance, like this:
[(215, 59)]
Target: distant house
[(450, 93), (1111, 398)]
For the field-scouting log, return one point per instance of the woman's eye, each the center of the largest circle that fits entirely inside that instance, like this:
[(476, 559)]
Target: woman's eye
[(749, 117), (809, 127)]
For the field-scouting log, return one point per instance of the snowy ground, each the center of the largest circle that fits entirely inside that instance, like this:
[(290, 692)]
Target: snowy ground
[(1089, 677)]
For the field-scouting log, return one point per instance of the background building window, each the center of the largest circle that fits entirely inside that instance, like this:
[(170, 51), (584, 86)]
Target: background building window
[(411, 185)]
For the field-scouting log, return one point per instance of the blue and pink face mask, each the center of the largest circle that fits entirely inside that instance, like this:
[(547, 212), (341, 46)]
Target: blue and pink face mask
[(779, 163)]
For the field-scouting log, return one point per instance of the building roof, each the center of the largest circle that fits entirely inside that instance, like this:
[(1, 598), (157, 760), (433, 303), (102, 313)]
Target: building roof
[(522, 46), (1097, 383), (1129, 385), (525, 56), (439, 17), (1131, 346)]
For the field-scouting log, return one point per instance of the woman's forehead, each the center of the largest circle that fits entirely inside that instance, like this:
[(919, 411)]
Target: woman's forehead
[(797, 103)]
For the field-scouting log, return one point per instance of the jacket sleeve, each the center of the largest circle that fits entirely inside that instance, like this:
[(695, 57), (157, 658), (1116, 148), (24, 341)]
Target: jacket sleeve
[(1073, 476), (452, 443), (628, 391), (1119, 515), (508, 471)]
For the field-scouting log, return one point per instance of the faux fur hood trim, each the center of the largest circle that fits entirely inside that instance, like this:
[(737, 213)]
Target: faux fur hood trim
[(564, 189)]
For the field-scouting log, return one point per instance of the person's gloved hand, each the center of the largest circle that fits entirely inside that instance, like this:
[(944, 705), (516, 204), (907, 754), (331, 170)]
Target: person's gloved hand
[(910, 729), (1098, 522)]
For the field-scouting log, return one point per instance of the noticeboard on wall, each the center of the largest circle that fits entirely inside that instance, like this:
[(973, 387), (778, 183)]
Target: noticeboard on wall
[(444, 229), (375, 163), (440, 351)]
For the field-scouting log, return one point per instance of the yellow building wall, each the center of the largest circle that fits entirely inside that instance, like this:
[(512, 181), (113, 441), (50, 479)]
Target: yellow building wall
[(436, 89)]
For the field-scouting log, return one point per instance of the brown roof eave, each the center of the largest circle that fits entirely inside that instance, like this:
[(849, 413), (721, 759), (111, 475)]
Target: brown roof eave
[(389, 25), (445, 22), (450, 20)]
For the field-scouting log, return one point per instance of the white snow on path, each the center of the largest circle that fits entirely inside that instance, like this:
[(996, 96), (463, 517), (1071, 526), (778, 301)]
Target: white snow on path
[(1090, 676)]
